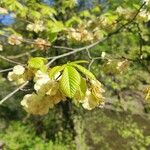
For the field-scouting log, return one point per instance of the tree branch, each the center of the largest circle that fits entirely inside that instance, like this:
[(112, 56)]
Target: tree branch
[(73, 51), (22, 55), (6, 70), (76, 50), (12, 93), (9, 60)]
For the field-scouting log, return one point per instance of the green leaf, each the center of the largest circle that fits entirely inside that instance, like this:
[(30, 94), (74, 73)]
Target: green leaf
[(43, 68), (2, 32), (79, 62), (70, 81), (57, 27), (85, 13), (80, 94), (84, 71), (10, 30), (35, 15), (96, 10), (53, 71), (37, 62), (52, 37), (83, 86), (74, 20)]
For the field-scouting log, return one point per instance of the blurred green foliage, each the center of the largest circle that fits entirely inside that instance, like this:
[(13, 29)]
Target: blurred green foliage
[(22, 137), (100, 130), (116, 131)]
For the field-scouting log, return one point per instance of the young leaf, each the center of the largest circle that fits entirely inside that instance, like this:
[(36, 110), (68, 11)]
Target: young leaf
[(36, 62), (70, 81), (83, 86), (55, 70), (84, 71), (52, 36), (80, 93), (79, 62), (57, 27)]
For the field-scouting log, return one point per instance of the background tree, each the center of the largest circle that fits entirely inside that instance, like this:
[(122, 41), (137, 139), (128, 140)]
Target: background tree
[(50, 46)]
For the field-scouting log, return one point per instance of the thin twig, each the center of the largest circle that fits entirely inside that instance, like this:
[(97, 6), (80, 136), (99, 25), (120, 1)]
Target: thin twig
[(76, 51), (12, 93), (89, 54), (6, 70), (9, 60), (90, 64), (50, 62), (62, 47), (23, 54)]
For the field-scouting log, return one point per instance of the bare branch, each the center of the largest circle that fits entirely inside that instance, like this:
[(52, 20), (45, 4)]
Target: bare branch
[(9, 60), (12, 93), (6, 70), (76, 50), (22, 55)]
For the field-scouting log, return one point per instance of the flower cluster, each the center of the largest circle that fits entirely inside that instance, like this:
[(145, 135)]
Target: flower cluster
[(126, 13), (3, 11), (86, 33), (48, 90), (36, 27), (47, 95), (80, 34), (147, 2), (42, 44), (122, 65), (147, 91), (1, 47), (93, 97), (115, 66), (15, 39), (144, 15), (17, 75)]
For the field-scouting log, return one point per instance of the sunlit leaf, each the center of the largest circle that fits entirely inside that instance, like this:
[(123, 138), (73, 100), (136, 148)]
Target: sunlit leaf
[(79, 62), (53, 71), (37, 62), (70, 81), (84, 71)]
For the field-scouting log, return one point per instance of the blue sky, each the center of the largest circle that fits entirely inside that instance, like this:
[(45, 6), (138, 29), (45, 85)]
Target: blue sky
[(7, 19)]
